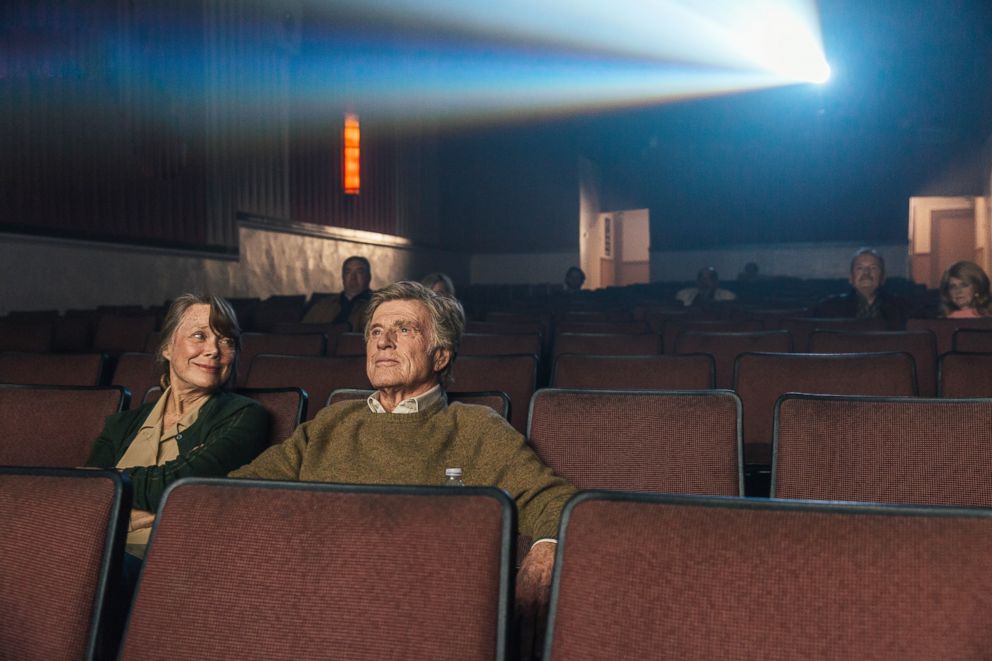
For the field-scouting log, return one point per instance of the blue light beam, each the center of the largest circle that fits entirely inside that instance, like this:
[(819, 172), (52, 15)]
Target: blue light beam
[(514, 58)]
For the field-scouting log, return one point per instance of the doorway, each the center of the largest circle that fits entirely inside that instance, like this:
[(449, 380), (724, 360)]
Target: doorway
[(624, 251)]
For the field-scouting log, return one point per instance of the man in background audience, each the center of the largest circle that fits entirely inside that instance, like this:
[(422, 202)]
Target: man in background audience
[(750, 273), (406, 432), (574, 279), (348, 306), (706, 291), (866, 299)]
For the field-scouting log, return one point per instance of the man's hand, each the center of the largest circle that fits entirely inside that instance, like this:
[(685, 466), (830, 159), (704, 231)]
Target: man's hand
[(141, 519), (533, 596)]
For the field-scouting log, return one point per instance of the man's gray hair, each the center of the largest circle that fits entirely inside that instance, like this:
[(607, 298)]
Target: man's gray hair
[(446, 314), (868, 250)]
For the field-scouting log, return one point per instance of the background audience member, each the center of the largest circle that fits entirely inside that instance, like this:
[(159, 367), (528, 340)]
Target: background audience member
[(706, 291), (197, 427), (964, 291), (439, 283), (574, 279), (750, 273), (866, 299), (348, 306)]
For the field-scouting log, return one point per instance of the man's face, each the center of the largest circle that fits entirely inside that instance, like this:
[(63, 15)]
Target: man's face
[(399, 351), (707, 281), (866, 275), (356, 277)]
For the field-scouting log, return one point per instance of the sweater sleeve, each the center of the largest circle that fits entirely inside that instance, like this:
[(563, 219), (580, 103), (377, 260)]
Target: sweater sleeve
[(279, 462), (539, 493), (231, 441), (106, 449)]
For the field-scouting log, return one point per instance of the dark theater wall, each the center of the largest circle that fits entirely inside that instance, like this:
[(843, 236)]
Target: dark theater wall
[(512, 189), (157, 123)]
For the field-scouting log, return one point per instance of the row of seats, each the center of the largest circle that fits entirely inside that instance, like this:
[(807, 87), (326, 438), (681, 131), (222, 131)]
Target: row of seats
[(114, 332), (427, 573), (893, 449), (319, 376), (723, 346), (109, 333), (671, 324), (57, 425), (758, 378)]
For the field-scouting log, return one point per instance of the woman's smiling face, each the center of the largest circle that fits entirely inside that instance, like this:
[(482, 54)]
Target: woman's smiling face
[(199, 359)]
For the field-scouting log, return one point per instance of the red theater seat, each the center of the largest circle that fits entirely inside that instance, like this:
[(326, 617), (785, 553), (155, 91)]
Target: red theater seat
[(362, 572), (643, 576), (871, 449), (678, 442)]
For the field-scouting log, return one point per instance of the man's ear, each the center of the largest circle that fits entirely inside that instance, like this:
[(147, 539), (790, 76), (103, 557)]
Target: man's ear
[(441, 359)]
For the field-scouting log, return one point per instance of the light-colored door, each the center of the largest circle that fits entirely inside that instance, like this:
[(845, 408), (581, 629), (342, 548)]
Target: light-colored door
[(633, 259), (621, 240), (952, 239)]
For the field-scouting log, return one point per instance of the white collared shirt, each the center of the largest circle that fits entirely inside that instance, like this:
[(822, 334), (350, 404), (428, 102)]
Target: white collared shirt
[(410, 404)]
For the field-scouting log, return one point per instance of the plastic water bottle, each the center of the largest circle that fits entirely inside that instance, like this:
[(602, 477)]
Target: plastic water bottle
[(453, 477)]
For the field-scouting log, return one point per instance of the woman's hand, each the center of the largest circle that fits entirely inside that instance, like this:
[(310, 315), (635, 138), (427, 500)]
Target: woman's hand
[(141, 519)]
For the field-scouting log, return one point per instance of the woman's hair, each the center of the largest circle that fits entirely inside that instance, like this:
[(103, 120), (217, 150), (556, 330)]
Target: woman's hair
[(446, 316), (972, 274), (432, 279), (223, 322)]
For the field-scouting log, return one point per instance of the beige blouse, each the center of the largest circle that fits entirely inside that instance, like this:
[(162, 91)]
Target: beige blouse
[(154, 446)]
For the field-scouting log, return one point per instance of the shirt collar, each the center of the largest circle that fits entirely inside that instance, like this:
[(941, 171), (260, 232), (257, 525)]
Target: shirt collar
[(410, 404), (154, 419), (157, 414)]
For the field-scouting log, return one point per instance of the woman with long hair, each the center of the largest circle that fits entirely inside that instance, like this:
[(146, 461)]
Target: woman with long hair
[(964, 291)]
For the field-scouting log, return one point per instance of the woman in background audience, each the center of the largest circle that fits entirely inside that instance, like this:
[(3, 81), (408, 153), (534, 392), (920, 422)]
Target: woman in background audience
[(964, 291), (197, 427), (439, 283)]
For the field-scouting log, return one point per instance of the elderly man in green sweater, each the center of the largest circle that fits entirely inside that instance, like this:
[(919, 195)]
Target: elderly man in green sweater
[(407, 433)]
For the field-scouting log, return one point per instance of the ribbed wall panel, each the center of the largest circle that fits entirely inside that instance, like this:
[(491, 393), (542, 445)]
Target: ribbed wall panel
[(247, 59), (398, 174), (101, 141), (155, 122)]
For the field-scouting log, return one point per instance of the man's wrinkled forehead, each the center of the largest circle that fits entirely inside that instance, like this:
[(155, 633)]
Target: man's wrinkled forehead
[(353, 264), (408, 311), (865, 261)]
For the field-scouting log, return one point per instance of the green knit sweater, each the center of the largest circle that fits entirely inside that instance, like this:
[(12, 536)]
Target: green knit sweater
[(349, 443)]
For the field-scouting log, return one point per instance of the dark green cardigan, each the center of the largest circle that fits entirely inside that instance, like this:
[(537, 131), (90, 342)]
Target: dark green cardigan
[(229, 432)]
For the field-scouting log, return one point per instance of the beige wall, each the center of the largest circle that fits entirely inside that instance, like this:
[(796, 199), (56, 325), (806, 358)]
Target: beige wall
[(38, 273), (921, 210)]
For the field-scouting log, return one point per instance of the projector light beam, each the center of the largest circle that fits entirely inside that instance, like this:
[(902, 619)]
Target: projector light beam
[(485, 60)]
